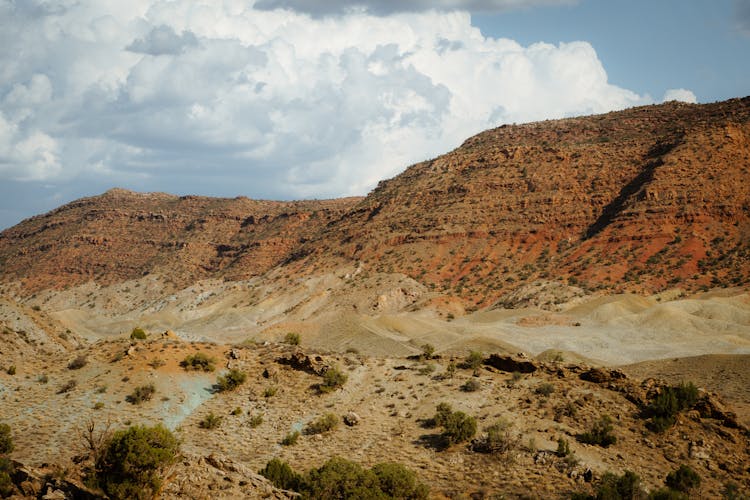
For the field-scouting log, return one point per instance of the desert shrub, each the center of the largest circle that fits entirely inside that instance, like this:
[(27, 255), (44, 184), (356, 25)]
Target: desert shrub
[(333, 378), (442, 412), (667, 494), (663, 409), (326, 423), (132, 460), (458, 427), (6, 441), (281, 475), (450, 371), (428, 351), (600, 433), (198, 361), (270, 391), (614, 487), (211, 421), (683, 479), (157, 363), (398, 481), (339, 478), (292, 338), (138, 334), (255, 421), (563, 448), (627, 486), (67, 386), (237, 411), (78, 363), (544, 389), (427, 369), (43, 378), (732, 491), (498, 439), (471, 385), (290, 439), (7, 488), (231, 380), (473, 361), (140, 394), (11, 370), (567, 409)]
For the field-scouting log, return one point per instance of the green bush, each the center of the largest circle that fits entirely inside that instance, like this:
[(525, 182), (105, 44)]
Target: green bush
[(333, 378), (6, 442), (211, 421), (231, 380), (255, 421), (140, 394), (667, 494), (442, 412), (11, 370), (339, 478), (132, 461), (663, 409), (292, 338), (7, 488), (428, 351), (614, 487), (498, 439), (626, 486), (398, 481), (290, 439), (198, 361), (326, 423), (600, 433), (545, 389), (459, 427), (563, 448), (270, 391), (683, 479), (138, 334), (281, 475), (473, 361)]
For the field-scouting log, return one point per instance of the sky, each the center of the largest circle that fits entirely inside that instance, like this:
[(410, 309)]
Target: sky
[(293, 99)]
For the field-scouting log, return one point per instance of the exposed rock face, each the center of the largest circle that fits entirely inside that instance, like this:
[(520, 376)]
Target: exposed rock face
[(122, 235), (301, 361), (634, 200), (602, 375), (638, 200), (216, 476), (510, 365)]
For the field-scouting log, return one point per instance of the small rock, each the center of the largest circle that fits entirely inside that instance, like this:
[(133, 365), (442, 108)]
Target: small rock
[(54, 495), (351, 419)]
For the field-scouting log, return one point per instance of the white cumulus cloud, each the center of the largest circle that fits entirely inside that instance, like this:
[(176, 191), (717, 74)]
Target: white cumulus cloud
[(223, 98), (390, 6), (682, 95)]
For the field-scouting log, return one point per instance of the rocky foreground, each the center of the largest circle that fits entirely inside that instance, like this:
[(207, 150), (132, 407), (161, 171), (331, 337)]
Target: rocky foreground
[(382, 413)]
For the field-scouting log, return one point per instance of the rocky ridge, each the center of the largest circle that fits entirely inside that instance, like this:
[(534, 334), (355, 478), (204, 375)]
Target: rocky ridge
[(640, 200)]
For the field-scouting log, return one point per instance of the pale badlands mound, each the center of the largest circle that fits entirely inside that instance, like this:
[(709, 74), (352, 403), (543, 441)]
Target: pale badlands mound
[(391, 315)]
